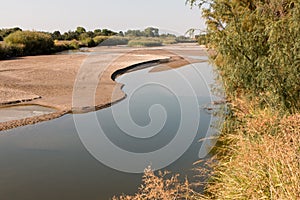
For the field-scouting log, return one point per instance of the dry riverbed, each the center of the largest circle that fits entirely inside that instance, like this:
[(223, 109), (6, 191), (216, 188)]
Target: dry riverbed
[(50, 80)]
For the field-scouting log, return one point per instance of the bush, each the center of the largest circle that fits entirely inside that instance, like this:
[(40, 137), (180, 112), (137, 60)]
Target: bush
[(100, 39), (65, 45), (34, 42), (5, 32), (8, 51), (86, 41), (145, 42)]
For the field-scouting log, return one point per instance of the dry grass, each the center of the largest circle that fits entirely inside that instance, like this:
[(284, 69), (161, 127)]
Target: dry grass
[(162, 187), (262, 160)]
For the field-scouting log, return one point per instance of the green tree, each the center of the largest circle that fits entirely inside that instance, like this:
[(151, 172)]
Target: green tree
[(80, 30), (71, 35), (5, 32), (56, 35), (257, 48), (97, 32), (151, 32), (133, 33), (106, 32)]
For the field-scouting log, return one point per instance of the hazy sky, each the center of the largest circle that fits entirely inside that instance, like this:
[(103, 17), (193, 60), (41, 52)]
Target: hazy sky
[(49, 15)]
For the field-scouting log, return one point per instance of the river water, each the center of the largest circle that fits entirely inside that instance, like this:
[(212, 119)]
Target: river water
[(49, 161)]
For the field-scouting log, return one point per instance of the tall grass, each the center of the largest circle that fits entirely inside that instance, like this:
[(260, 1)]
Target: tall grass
[(258, 156), (162, 187)]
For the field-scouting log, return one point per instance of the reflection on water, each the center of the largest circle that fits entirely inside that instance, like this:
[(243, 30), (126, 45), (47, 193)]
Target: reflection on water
[(48, 161)]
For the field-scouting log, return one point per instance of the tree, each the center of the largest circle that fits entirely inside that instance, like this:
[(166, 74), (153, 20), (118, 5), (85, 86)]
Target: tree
[(151, 32), (106, 32), (256, 45), (134, 33), (71, 35), (56, 35), (80, 30), (97, 32), (5, 32), (121, 34)]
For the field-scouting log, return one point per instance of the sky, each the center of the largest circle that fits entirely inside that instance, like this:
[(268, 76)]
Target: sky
[(171, 16)]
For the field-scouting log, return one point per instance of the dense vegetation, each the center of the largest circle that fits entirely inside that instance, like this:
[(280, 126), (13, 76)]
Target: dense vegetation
[(255, 46), (21, 43), (30, 43), (5, 32)]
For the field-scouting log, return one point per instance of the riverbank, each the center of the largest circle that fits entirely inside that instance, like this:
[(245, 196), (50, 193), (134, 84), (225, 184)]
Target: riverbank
[(49, 80)]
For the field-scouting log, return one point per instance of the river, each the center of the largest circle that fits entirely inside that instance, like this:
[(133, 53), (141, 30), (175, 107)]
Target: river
[(50, 160)]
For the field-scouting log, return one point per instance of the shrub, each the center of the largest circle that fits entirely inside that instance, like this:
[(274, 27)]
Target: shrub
[(88, 42), (65, 45), (5, 32), (100, 39), (8, 51), (34, 42)]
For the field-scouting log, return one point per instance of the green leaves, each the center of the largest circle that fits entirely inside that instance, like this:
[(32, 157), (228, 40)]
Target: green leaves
[(33, 43), (259, 46)]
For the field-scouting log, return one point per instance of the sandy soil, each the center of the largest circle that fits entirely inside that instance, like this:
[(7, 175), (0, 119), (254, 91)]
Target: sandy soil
[(78, 82)]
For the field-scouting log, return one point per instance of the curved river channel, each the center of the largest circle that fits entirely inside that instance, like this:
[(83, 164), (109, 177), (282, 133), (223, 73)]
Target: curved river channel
[(50, 161)]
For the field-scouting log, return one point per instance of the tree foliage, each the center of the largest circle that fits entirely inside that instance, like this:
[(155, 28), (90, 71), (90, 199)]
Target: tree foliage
[(257, 48), (148, 32), (31, 42), (5, 32)]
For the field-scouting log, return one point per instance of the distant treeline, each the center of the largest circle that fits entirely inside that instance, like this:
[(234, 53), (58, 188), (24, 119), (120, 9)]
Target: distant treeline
[(16, 42)]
